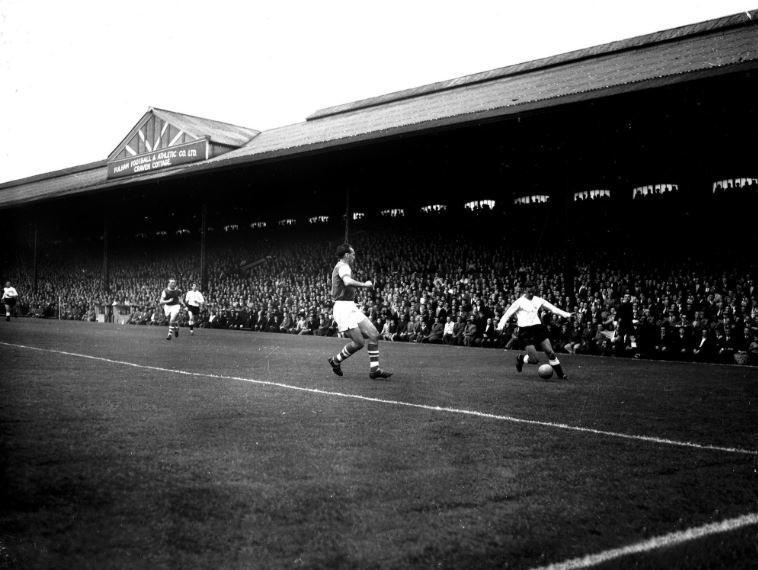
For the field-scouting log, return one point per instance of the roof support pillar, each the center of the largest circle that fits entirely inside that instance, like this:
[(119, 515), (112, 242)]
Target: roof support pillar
[(347, 215), (203, 257), (105, 278), (34, 257)]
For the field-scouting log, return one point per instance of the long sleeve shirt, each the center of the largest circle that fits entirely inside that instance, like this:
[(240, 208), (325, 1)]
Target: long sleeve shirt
[(527, 312)]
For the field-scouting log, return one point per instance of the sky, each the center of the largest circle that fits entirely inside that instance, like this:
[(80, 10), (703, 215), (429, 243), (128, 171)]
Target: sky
[(75, 76)]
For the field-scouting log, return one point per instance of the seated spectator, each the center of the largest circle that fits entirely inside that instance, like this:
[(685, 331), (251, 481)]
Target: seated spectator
[(471, 335), (447, 333), (436, 332)]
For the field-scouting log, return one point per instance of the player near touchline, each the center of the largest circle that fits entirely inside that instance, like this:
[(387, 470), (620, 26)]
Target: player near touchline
[(194, 301), (531, 330), (10, 296), (171, 300), (350, 319)]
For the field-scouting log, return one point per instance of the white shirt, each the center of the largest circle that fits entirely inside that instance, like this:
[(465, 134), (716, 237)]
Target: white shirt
[(194, 298), (449, 328), (527, 312), (9, 293)]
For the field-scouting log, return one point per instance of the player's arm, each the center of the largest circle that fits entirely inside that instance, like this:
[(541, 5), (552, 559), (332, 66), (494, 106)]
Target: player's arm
[(553, 309), (163, 299), (348, 280), (507, 316)]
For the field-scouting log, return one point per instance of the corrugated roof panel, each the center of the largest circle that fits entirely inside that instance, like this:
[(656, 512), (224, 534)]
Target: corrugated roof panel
[(511, 94)]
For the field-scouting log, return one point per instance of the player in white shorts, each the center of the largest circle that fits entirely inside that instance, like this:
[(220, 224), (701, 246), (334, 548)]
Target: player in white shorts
[(171, 299), (350, 320)]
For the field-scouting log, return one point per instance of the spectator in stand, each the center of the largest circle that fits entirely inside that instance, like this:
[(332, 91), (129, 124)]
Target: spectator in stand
[(413, 329), (752, 350), (287, 325), (489, 335), (458, 329), (302, 325), (424, 330), (447, 333), (705, 348), (684, 344), (402, 329), (437, 332), (471, 336)]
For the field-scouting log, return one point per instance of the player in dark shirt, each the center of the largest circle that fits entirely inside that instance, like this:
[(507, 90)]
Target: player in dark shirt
[(171, 300), (350, 320)]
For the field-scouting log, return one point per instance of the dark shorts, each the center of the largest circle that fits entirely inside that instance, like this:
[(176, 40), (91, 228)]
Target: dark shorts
[(10, 301), (534, 334), (194, 310)]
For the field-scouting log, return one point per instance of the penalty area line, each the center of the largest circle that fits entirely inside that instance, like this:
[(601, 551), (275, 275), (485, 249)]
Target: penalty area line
[(657, 542), (619, 435)]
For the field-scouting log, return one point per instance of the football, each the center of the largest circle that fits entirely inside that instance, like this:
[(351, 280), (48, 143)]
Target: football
[(545, 371)]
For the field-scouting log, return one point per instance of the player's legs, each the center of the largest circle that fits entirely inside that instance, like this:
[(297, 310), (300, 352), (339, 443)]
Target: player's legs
[(355, 344), (347, 316), (372, 335), (547, 348), (172, 312), (8, 310), (191, 319)]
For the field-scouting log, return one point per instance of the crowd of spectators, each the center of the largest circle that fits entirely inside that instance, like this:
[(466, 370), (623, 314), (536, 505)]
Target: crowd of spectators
[(437, 287)]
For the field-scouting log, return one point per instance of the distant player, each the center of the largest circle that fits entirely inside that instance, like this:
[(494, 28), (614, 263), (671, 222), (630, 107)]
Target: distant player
[(531, 330), (350, 320), (194, 301), (10, 296), (171, 299)]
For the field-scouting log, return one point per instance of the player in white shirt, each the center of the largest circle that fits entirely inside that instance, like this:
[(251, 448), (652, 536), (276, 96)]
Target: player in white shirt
[(194, 300), (350, 320), (10, 296), (531, 330)]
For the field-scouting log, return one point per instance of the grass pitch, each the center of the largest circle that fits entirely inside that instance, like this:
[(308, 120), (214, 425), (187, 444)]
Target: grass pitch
[(242, 450)]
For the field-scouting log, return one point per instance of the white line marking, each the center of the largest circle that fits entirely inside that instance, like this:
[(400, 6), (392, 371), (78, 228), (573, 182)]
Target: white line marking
[(656, 542), (647, 438)]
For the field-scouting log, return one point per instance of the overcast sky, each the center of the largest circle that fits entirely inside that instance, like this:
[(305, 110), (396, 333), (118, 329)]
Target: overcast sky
[(75, 75)]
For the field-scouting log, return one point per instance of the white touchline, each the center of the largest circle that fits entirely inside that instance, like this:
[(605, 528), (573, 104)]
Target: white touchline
[(656, 542), (512, 419)]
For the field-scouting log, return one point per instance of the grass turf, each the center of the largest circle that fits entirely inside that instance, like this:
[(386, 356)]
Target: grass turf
[(109, 465)]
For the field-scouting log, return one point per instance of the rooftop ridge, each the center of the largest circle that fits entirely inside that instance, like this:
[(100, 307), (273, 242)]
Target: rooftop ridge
[(734, 20)]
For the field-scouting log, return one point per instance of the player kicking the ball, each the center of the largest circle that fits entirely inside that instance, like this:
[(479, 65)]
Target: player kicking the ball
[(171, 299), (194, 301), (531, 330), (350, 320)]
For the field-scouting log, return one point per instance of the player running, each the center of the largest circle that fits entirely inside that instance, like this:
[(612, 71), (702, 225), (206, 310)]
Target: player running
[(10, 296), (171, 299), (350, 320), (531, 330), (194, 302)]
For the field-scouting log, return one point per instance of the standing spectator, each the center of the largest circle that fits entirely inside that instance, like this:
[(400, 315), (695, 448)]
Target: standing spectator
[(10, 296)]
